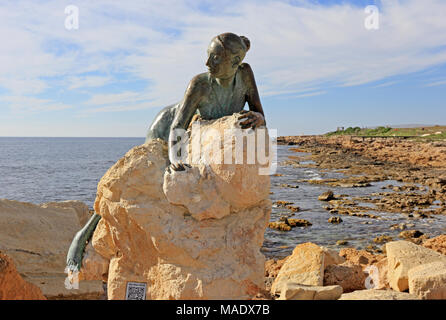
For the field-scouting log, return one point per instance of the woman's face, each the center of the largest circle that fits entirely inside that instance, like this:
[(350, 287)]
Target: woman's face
[(219, 63)]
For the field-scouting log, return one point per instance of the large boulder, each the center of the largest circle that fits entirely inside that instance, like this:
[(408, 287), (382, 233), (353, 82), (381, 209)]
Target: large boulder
[(193, 234), (12, 285), (403, 256), (349, 276), (305, 266), (428, 281), (37, 238)]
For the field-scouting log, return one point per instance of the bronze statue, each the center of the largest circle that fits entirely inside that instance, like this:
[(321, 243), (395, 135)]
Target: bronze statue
[(221, 91)]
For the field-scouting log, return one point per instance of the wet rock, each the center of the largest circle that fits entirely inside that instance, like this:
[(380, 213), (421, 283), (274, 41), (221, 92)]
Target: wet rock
[(286, 185), (279, 225), (293, 208), (341, 242), (400, 226), (408, 234), (335, 220), (298, 223), (282, 203), (287, 223), (326, 196), (382, 239)]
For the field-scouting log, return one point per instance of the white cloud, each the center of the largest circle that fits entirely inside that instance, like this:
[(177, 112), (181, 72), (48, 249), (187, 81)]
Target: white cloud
[(27, 105), (436, 83), (88, 81), (294, 49)]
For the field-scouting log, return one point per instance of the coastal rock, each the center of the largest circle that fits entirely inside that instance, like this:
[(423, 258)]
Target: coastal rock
[(360, 257), (332, 257), (373, 294), (350, 277), (294, 291), (428, 281), (326, 196), (193, 234), (37, 239), (334, 220), (80, 208), (272, 267), (437, 244), (304, 266), (403, 256), (408, 234), (12, 285), (377, 278)]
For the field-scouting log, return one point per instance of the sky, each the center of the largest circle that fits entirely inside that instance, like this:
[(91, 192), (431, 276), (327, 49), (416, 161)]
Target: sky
[(316, 64)]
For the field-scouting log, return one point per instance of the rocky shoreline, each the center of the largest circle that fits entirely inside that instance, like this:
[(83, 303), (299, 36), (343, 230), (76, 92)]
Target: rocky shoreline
[(419, 166), (413, 267), (387, 269)]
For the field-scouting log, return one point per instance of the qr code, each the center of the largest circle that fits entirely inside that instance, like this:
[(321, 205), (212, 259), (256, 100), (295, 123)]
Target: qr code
[(136, 291)]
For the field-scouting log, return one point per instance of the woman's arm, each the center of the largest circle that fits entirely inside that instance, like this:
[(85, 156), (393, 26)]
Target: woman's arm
[(192, 97), (253, 99)]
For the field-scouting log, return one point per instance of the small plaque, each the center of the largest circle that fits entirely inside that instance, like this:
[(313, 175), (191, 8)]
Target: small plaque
[(136, 291)]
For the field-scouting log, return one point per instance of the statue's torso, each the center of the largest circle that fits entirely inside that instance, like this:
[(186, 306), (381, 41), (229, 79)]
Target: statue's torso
[(221, 101), (217, 103)]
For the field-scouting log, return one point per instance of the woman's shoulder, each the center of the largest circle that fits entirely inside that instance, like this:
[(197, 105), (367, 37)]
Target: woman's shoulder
[(200, 81), (246, 72)]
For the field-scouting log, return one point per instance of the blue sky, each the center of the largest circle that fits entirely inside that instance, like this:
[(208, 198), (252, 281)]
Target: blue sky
[(316, 65)]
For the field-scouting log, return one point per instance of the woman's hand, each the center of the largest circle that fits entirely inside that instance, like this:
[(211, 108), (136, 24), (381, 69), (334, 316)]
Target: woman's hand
[(254, 119), (179, 166)]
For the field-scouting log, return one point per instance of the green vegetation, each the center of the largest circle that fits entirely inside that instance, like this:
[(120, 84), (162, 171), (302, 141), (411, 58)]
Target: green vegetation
[(425, 133)]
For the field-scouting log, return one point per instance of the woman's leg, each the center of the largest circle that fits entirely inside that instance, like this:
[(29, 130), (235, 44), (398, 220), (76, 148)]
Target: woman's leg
[(77, 247)]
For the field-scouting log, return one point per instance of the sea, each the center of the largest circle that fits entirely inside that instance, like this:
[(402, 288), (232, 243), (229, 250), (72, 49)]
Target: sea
[(40, 170)]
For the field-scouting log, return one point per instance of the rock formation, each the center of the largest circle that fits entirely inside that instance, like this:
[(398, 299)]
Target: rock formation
[(12, 285), (428, 281), (193, 234), (36, 237), (373, 294), (403, 256)]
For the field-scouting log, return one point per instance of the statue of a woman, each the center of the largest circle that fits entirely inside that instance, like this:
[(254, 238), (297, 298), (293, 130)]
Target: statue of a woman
[(221, 91)]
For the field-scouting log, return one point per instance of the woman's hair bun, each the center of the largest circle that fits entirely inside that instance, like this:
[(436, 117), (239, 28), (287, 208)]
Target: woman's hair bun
[(246, 42)]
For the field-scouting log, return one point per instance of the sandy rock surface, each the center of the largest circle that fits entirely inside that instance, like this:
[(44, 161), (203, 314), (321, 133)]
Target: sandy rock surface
[(37, 239), (294, 291), (428, 281), (403, 256), (304, 266), (12, 285), (373, 294)]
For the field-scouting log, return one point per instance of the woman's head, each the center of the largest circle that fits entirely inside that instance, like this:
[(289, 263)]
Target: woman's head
[(225, 53)]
